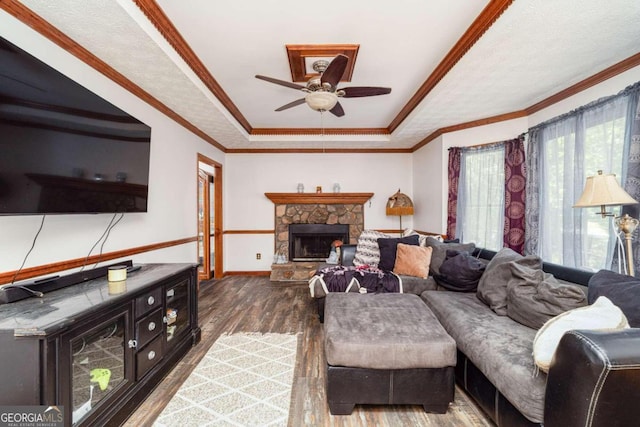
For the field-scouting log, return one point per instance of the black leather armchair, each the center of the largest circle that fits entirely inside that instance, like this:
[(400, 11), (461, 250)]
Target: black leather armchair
[(594, 380)]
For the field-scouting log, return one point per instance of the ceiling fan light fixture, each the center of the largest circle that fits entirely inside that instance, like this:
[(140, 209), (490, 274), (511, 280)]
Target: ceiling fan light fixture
[(321, 101)]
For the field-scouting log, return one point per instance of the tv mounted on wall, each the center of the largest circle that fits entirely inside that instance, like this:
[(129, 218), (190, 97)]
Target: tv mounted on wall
[(64, 149)]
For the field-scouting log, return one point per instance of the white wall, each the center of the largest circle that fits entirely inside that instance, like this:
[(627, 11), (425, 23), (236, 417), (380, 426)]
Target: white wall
[(249, 176), (172, 189)]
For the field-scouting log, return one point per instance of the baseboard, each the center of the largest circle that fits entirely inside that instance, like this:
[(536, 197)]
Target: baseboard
[(247, 273)]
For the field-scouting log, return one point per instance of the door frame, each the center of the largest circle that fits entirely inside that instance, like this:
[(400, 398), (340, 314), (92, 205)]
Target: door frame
[(218, 269)]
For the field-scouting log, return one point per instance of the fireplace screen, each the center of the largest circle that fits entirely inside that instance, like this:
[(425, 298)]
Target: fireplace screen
[(312, 242)]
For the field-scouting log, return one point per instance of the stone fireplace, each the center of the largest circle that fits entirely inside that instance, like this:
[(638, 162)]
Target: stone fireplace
[(344, 210), (312, 242)]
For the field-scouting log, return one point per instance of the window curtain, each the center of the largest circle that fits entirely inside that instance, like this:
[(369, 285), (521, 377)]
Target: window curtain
[(481, 196), (561, 153), (514, 195), (632, 183), (532, 194), (452, 196)]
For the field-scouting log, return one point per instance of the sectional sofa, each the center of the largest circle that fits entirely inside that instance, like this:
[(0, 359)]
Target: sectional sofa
[(594, 379)]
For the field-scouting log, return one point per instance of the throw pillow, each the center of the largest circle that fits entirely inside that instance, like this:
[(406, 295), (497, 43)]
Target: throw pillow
[(367, 250), (492, 287), (533, 296), (412, 260), (388, 250), (440, 252), (422, 237), (622, 290), (460, 272), (600, 315)]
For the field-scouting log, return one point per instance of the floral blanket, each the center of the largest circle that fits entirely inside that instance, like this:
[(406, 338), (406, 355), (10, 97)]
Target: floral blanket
[(363, 279)]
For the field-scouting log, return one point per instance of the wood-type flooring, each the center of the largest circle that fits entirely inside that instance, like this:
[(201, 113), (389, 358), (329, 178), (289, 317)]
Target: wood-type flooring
[(254, 304)]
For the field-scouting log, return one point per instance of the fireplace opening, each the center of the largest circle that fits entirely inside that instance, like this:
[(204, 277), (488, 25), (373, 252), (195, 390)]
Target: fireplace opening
[(312, 242)]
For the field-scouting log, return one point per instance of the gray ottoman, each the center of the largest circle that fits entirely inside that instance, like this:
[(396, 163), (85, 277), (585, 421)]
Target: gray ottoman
[(386, 349)]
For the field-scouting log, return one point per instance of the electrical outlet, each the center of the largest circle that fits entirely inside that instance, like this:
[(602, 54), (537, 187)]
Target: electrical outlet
[(258, 256)]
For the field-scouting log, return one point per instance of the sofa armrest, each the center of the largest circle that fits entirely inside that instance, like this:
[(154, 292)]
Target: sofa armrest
[(594, 380), (347, 254)]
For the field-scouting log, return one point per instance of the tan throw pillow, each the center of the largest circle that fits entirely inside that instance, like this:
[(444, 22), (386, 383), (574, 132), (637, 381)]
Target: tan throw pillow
[(412, 260)]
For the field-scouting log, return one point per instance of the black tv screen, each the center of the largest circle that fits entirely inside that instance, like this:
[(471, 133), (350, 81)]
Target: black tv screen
[(64, 149)]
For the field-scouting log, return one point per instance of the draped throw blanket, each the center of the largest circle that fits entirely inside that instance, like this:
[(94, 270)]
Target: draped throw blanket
[(362, 279)]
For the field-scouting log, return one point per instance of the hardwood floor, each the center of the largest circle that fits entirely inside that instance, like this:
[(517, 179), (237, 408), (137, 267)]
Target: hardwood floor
[(254, 304)]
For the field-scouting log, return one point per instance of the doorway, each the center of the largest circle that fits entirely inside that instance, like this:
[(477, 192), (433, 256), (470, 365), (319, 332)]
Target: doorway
[(209, 219)]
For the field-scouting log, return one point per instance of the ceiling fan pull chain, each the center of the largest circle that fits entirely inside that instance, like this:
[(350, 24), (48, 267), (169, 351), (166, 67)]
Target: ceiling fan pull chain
[(322, 129)]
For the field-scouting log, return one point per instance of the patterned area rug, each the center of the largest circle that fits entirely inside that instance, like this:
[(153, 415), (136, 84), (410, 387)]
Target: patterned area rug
[(243, 380)]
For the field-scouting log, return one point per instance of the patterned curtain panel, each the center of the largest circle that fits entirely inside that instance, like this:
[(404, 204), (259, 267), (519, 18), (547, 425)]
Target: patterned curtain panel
[(632, 183), (532, 195), (514, 194), (452, 198)]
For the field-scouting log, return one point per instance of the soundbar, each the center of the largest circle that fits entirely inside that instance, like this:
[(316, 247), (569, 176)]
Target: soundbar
[(39, 287)]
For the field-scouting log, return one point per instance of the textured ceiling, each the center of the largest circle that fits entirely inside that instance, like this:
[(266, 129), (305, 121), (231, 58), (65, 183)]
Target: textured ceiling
[(534, 50)]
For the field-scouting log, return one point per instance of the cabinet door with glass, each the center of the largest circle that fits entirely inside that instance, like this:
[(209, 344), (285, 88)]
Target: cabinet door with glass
[(178, 311), (100, 365)]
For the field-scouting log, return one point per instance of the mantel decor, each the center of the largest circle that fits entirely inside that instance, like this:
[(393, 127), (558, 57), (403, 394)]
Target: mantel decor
[(319, 198)]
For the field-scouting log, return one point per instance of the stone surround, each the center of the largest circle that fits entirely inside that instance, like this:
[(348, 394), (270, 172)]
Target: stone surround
[(309, 208), (316, 214)]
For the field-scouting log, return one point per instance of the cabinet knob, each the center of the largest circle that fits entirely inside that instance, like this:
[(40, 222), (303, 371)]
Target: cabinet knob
[(151, 355), (151, 300), (151, 326)]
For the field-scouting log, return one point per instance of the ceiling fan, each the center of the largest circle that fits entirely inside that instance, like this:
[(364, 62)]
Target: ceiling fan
[(322, 92)]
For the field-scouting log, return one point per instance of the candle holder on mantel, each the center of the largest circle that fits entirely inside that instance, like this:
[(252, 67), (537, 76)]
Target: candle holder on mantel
[(300, 187), (319, 189)]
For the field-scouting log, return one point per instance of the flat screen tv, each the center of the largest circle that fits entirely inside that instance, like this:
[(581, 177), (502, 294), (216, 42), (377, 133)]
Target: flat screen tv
[(64, 149)]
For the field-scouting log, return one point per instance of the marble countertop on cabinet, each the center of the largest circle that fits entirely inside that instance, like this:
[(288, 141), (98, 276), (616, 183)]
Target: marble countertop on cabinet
[(37, 317)]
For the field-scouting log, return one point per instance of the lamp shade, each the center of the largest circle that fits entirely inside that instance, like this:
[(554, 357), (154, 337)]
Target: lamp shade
[(321, 101), (603, 190), (399, 204)]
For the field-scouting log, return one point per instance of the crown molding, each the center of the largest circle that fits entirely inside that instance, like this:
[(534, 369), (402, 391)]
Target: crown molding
[(320, 131)]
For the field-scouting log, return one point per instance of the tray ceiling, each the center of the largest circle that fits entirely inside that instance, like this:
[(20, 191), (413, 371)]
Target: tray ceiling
[(532, 51)]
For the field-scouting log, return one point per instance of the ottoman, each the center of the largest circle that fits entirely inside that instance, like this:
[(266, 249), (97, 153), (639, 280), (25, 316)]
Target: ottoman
[(386, 349)]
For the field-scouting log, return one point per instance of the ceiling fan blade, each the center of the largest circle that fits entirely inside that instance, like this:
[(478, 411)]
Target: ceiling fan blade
[(335, 70), (337, 110), (358, 91), (280, 82), (291, 104)]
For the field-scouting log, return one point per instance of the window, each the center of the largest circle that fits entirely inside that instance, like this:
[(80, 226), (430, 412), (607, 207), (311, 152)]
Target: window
[(572, 148), (481, 197)]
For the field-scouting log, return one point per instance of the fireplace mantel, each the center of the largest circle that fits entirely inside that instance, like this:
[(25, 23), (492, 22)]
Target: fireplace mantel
[(319, 198)]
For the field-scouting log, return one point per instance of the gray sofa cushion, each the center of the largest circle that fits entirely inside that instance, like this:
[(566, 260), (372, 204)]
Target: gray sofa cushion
[(622, 290), (533, 296), (492, 287), (460, 272), (439, 253), (384, 331), (500, 347)]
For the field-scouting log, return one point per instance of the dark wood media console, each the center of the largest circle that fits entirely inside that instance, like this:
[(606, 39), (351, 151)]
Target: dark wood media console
[(97, 348)]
